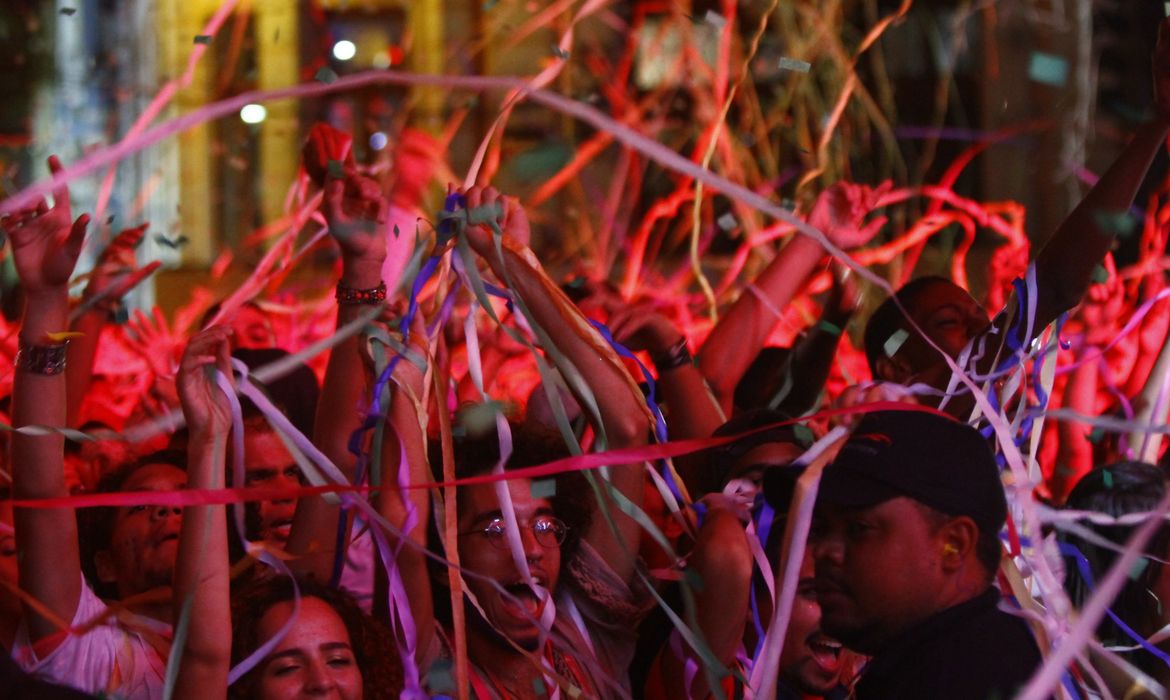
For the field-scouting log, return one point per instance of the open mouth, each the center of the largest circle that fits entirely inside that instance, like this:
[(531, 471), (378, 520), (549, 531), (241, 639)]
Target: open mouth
[(280, 529), (523, 602), (826, 653)]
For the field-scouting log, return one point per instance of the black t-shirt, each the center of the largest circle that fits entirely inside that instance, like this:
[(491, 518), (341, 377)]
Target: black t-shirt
[(972, 651)]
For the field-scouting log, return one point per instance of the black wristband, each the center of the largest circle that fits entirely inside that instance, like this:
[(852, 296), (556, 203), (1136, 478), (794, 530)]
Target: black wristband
[(675, 356)]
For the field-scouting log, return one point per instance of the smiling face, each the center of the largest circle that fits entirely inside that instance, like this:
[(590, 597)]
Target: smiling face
[(314, 660), (145, 539), (512, 615), (950, 318), (811, 660), (268, 464), (878, 571)]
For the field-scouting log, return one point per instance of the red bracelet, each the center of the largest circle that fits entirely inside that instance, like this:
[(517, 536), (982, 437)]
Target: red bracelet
[(372, 297)]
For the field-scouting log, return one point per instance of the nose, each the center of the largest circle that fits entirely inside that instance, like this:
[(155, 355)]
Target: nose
[(826, 549), (533, 551), (286, 482), (318, 679), (163, 512)]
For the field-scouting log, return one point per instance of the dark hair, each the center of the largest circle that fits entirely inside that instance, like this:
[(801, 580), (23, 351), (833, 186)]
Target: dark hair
[(722, 460), (95, 526), (531, 446), (1116, 490), (374, 646), (295, 393), (888, 318)]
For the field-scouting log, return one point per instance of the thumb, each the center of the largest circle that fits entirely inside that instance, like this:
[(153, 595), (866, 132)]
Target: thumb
[(76, 237)]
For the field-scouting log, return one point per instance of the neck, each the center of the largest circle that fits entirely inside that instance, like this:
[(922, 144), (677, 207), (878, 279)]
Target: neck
[(512, 671)]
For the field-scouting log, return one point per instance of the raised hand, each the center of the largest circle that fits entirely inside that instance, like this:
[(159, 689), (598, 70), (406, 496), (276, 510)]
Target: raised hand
[(204, 405), (840, 212), (511, 218), (46, 241), (151, 337), (356, 213), (640, 327), (115, 271)]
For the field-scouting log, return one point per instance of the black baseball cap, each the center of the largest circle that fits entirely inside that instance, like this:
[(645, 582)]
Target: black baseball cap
[(922, 455)]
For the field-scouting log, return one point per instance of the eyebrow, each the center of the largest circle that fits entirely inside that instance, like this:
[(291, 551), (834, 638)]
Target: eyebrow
[(300, 653)]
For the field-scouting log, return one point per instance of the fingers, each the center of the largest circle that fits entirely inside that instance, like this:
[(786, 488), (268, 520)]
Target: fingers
[(76, 236), (334, 194), (60, 193)]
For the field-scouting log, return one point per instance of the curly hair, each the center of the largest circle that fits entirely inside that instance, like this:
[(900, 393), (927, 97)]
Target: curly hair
[(374, 646)]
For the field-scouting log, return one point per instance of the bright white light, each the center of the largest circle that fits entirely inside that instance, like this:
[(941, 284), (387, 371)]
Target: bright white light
[(253, 113), (344, 50), (378, 140)]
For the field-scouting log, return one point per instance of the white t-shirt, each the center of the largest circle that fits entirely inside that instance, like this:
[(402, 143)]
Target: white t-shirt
[(123, 656)]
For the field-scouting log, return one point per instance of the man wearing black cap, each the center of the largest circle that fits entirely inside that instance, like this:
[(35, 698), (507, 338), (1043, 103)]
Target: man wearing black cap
[(905, 542)]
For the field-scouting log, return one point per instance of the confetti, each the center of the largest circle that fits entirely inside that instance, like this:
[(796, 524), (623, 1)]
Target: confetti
[(715, 19), (326, 75), (109, 219), (63, 336), (1166, 8), (727, 222), (396, 230), (1119, 223), (895, 341), (1100, 275), (439, 678), (480, 418), (1096, 434), (1138, 567), (68, 11), (830, 328), (176, 243), (1047, 69), (538, 687), (1107, 478), (204, 39), (693, 579), (559, 52), (803, 434), (795, 64), (544, 488), (336, 169)]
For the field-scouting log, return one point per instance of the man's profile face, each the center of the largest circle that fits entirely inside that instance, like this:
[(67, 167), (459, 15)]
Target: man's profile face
[(878, 571), (268, 464)]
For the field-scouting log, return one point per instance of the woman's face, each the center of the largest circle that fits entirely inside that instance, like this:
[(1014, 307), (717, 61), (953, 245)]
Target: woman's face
[(314, 660)]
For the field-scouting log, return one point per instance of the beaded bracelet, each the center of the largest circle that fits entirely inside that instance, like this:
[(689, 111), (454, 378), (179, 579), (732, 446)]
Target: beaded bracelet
[(372, 297), (47, 360), (675, 356)]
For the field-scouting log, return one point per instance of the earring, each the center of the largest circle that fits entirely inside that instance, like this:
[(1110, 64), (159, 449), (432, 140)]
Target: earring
[(949, 549)]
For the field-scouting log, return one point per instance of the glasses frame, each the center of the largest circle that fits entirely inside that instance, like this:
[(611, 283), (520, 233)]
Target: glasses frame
[(495, 532)]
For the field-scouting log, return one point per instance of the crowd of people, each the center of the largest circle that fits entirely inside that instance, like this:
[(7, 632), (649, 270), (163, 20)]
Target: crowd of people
[(734, 523)]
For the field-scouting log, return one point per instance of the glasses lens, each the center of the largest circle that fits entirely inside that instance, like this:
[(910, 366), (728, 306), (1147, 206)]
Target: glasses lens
[(550, 532)]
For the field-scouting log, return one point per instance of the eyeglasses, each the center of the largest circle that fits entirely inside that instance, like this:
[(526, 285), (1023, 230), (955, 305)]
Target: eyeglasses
[(549, 532)]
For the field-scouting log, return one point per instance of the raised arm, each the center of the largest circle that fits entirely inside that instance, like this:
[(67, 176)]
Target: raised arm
[(691, 410), (201, 569), (407, 441), (356, 212), (739, 336), (113, 275), (1064, 267), (45, 246), (624, 417)]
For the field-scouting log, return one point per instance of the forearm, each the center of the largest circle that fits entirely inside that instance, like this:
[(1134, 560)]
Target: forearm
[(339, 413), (46, 538), (201, 574), (1065, 266), (741, 333), (692, 413)]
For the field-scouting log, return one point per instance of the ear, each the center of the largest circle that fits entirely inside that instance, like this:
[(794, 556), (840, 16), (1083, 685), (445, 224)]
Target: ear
[(104, 563), (957, 540), (892, 369)]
